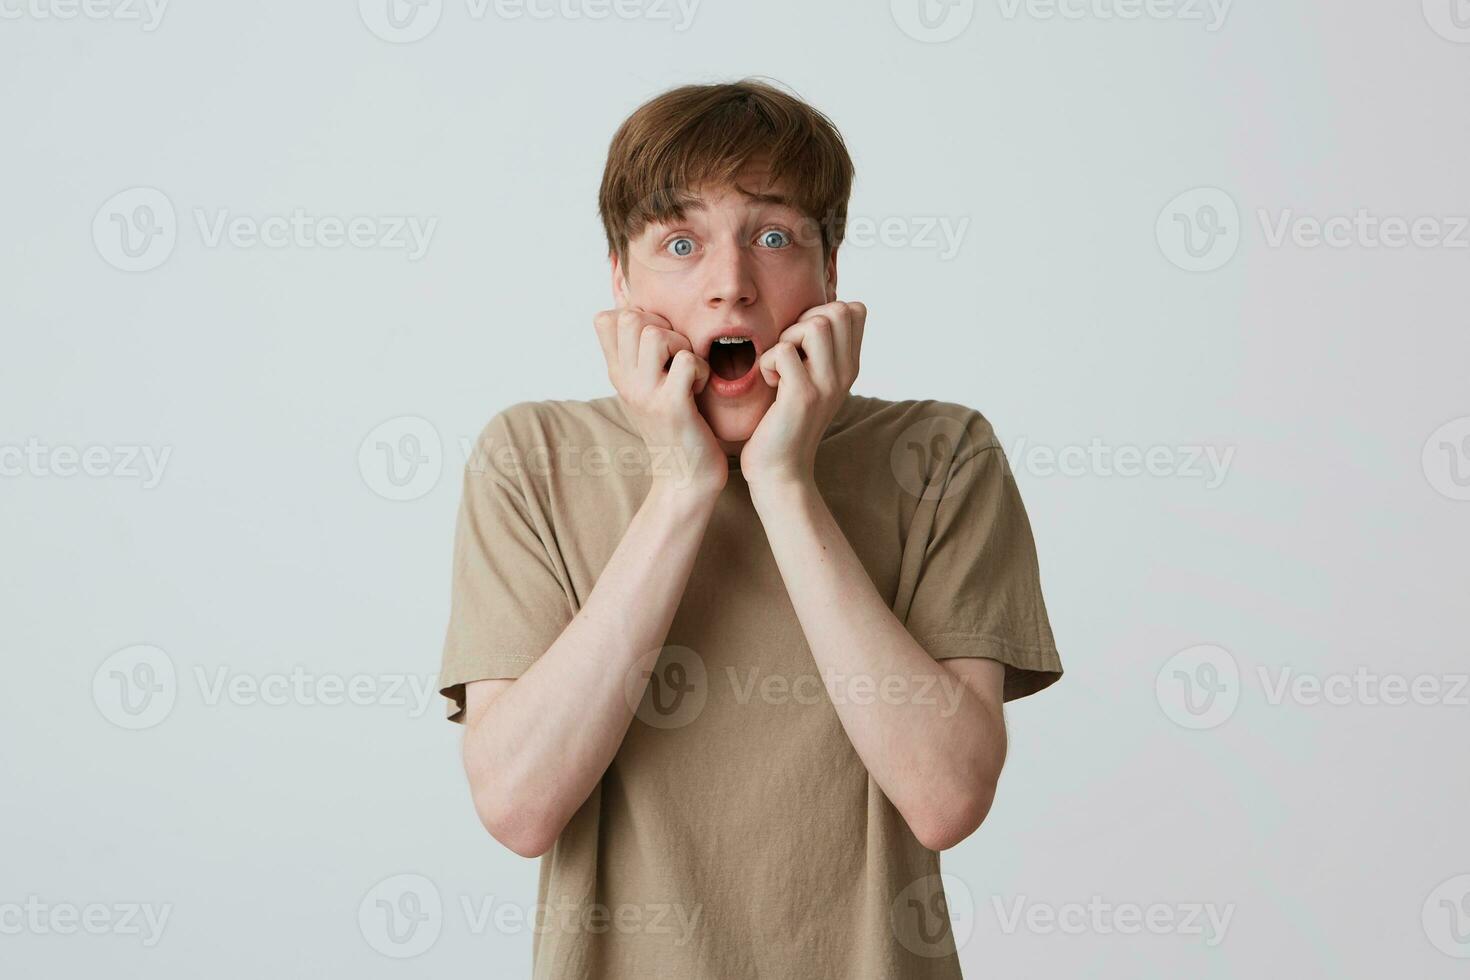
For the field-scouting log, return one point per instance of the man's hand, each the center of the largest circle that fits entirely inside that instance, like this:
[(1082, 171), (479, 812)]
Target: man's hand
[(637, 345), (783, 448)]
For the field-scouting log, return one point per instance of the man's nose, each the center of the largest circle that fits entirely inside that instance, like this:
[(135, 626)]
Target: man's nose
[(730, 281)]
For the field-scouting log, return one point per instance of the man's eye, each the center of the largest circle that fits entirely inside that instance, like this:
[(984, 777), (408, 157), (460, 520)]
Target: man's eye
[(681, 247), (775, 238)]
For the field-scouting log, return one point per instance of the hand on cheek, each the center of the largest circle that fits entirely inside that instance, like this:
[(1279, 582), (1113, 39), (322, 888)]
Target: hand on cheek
[(812, 367)]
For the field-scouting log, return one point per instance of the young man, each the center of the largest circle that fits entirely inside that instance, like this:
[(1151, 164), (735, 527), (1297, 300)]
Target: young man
[(730, 646)]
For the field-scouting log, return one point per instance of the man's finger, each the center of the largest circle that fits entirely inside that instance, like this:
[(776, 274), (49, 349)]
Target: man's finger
[(816, 337), (688, 371)]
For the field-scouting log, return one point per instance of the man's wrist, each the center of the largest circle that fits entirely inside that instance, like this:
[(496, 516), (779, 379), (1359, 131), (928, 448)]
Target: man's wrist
[(776, 494), (682, 495)]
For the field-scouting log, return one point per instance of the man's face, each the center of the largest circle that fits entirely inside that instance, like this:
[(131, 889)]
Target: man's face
[(743, 263)]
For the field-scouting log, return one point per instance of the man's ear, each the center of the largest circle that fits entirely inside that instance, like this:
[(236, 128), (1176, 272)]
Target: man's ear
[(832, 276), (619, 281)]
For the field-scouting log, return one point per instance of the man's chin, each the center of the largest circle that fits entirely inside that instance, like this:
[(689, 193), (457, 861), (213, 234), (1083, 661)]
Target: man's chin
[(733, 422)]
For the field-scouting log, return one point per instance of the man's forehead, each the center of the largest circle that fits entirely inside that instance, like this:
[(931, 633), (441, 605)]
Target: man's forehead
[(743, 193)]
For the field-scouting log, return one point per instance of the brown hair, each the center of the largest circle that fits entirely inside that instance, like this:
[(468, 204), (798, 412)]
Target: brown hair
[(698, 134)]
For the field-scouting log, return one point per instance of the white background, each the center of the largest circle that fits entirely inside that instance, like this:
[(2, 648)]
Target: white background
[(1334, 540)]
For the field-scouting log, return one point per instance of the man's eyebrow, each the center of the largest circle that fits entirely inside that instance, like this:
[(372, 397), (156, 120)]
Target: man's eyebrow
[(698, 204)]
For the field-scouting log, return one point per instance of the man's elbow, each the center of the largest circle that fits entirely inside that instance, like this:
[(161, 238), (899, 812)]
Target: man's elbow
[(520, 831), (941, 827)]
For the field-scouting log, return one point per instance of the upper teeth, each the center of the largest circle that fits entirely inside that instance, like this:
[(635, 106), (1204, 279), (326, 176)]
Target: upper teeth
[(730, 340)]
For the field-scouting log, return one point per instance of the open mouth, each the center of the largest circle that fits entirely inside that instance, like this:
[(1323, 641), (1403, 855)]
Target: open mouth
[(731, 358)]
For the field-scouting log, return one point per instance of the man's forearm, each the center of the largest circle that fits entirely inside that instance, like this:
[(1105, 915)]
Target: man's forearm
[(934, 745), (534, 753)]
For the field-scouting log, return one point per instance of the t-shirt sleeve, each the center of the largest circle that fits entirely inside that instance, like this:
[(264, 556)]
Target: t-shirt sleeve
[(507, 600), (978, 593)]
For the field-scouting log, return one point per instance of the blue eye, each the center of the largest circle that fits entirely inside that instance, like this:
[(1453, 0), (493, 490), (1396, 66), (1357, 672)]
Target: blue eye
[(775, 239), (681, 247)]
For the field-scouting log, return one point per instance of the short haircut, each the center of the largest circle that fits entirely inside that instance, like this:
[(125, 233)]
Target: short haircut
[(707, 134)]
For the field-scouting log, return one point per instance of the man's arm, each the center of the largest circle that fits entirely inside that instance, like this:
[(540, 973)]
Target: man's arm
[(535, 747), (936, 758), (935, 748)]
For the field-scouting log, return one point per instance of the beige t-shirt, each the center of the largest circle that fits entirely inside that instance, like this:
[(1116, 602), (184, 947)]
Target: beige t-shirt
[(736, 832)]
